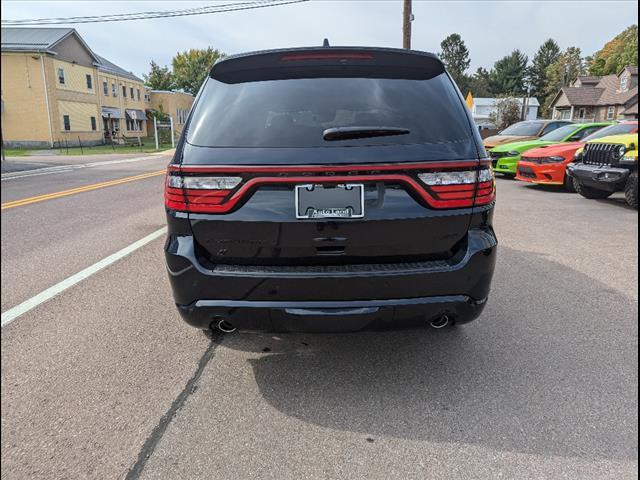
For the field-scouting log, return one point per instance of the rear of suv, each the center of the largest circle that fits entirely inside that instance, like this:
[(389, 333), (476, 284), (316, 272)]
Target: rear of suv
[(329, 189)]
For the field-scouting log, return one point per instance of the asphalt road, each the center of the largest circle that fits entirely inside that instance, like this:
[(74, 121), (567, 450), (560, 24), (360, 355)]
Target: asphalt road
[(105, 381)]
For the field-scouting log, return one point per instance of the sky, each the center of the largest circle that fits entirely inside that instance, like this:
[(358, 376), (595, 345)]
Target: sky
[(490, 29)]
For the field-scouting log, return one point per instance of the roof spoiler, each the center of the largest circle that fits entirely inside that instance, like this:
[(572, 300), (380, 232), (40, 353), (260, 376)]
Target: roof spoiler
[(327, 62)]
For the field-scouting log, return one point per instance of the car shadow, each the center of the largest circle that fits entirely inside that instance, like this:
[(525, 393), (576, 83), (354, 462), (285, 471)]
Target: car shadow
[(550, 368)]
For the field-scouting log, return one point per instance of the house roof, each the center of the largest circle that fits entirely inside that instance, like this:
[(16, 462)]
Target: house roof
[(605, 92), (109, 67), (583, 95), (21, 39), (589, 79), (633, 70)]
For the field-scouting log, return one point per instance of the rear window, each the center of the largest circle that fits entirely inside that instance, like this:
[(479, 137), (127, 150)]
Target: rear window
[(522, 128), (295, 112)]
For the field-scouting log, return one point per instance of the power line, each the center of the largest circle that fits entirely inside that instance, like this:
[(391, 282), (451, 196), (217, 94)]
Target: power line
[(123, 17)]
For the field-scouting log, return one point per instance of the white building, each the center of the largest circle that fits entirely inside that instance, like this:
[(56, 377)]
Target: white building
[(483, 108)]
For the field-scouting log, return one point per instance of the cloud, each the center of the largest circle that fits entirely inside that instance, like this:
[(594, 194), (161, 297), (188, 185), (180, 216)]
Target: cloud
[(490, 29)]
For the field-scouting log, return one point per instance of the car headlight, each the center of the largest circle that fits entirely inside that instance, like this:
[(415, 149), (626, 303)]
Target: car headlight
[(513, 154), (577, 157), (554, 159)]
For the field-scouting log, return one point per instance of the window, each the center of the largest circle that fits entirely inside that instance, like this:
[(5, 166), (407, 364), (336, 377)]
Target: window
[(93, 124), (147, 97), (138, 94), (131, 92), (61, 76), (114, 91), (134, 125), (105, 88), (295, 112), (565, 114), (624, 82), (560, 134), (582, 113), (551, 127), (611, 111), (67, 122), (89, 82), (124, 92)]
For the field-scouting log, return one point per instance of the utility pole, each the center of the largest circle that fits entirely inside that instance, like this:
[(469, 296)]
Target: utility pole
[(407, 17)]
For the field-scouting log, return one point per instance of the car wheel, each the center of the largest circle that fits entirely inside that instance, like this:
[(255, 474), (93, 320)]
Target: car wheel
[(569, 184), (631, 190), (590, 192)]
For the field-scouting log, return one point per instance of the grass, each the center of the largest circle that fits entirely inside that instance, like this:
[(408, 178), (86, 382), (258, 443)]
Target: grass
[(147, 147)]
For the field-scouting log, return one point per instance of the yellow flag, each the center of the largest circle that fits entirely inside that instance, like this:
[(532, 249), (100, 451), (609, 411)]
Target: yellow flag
[(469, 100)]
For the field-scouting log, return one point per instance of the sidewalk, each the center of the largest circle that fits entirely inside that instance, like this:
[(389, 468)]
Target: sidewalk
[(21, 164)]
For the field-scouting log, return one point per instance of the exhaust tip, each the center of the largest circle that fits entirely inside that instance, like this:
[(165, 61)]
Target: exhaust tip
[(225, 326), (440, 322)]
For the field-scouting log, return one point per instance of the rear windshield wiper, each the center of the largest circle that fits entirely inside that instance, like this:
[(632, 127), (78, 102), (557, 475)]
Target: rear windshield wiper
[(347, 133)]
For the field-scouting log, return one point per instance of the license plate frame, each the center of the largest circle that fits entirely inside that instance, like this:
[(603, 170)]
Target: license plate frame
[(317, 201)]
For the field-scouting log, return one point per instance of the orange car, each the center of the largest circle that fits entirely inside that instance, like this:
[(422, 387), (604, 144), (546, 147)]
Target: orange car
[(548, 165)]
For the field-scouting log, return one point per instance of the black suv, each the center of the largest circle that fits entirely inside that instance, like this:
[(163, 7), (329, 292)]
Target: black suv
[(329, 189)]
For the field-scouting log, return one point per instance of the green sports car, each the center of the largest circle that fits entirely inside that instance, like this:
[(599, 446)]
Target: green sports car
[(505, 157)]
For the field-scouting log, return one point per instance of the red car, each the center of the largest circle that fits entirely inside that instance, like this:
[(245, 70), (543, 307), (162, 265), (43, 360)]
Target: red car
[(548, 165)]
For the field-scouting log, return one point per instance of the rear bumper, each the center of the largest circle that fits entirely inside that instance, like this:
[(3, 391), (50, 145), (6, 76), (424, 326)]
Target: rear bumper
[(549, 174), (332, 298), (611, 179)]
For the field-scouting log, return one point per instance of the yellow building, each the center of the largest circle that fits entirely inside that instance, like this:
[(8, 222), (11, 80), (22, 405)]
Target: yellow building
[(174, 104), (56, 90)]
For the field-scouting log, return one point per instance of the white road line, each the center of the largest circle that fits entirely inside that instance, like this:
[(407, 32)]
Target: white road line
[(13, 313), (68, 168), (36, 174)]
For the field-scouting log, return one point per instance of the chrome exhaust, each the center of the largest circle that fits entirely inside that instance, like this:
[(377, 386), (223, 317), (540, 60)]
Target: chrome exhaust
[(440, 322), (225, 326)]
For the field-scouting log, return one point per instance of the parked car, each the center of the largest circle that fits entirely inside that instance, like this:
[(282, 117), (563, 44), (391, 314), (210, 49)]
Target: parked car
[(505, 158), (607, 165), (329, 189), (548, 165), (526, 130)]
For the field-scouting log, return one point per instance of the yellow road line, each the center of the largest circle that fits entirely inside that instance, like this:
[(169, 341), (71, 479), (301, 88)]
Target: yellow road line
[(72, 191)]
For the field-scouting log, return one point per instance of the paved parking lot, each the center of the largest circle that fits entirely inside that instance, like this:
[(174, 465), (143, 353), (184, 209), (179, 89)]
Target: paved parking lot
[(105, 381)]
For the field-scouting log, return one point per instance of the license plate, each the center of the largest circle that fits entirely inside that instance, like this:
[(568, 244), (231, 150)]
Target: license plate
[(319, 201)]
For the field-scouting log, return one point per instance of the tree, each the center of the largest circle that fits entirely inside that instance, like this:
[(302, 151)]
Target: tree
[(507, 111), (509, 74), (563, 72), (159, 78), (480, 83), (455, 57), (547, 54), (191, 67), (616, 54)]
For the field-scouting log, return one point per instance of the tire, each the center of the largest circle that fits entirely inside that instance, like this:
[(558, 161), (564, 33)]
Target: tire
[(590, 192), (569, 184), (631, 190)]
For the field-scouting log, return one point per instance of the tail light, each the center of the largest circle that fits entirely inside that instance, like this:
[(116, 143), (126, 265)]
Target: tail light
[(460, 188), (218, 189)]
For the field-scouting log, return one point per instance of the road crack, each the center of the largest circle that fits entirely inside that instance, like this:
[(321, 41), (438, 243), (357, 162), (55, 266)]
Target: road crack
[(159, 430)]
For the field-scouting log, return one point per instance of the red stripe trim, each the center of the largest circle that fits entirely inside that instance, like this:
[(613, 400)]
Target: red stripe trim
[(461, 195)]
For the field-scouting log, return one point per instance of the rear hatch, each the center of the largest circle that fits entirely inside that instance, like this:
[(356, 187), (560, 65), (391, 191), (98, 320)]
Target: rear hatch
[(329, 156)]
